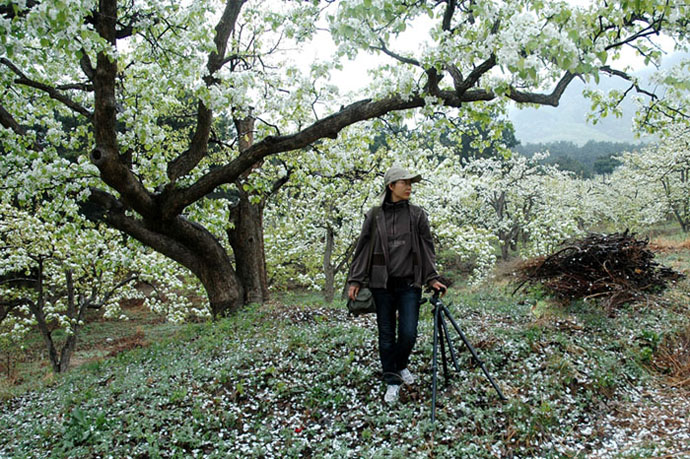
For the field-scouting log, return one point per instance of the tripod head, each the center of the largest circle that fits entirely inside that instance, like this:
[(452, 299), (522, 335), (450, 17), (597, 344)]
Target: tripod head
[(434, 299)]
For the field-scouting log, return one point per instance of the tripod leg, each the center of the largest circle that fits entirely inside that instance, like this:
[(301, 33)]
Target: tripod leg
[(474, 353), (450, 345), (434, 365), (444, 359)]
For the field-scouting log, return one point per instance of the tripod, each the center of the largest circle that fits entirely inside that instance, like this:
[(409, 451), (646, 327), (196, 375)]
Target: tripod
[(442, 338)]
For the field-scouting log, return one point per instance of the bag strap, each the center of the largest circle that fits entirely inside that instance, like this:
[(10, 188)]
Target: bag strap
[(372, 235)]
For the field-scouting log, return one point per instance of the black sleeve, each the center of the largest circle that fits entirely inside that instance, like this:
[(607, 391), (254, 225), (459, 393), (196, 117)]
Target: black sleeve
[(360, 259)]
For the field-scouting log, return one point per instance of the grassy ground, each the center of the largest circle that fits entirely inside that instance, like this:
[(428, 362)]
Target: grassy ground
[(298, 378), (26, 369)]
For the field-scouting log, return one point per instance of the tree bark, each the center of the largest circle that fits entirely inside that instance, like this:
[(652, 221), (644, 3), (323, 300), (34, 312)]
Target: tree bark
[(224, 290), (246, 235), (247, 241), (183, 241), (328, 268)]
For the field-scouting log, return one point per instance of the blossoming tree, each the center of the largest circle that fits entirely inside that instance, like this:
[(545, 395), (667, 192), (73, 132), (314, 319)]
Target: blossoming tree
[(662, 171), (51, 273), (139, 87), (313, 224)]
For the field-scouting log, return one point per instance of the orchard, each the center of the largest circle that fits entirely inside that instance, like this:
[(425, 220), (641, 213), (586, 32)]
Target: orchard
[(193, 132), (202, 161)]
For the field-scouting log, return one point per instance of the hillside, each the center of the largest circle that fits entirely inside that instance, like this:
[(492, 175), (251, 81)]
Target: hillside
[(568, 122), (296, 378)]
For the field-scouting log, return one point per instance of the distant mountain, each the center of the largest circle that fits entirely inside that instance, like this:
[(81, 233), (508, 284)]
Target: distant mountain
[(568, 121)]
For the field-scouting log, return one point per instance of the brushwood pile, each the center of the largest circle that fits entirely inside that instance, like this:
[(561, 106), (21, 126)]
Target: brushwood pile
[(613, 268)]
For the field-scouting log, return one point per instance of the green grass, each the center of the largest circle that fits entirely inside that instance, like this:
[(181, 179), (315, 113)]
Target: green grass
[(98, 338), (297, 378)]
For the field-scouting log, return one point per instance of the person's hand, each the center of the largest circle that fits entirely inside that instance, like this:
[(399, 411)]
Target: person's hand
[(353, 291), (436, 285)]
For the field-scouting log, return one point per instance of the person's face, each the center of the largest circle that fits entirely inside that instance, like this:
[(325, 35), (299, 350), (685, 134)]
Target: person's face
[(400, 190)]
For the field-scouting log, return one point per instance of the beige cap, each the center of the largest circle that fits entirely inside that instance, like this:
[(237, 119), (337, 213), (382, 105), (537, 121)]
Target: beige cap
[(396, 173)]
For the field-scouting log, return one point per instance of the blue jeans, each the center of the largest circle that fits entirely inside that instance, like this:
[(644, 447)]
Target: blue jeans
[(395, 353)]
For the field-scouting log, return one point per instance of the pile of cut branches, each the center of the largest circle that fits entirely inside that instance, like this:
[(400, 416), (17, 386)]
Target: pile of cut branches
[(615, 268)]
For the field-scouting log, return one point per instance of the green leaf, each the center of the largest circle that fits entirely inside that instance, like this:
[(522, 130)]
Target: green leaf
[(602, 55)]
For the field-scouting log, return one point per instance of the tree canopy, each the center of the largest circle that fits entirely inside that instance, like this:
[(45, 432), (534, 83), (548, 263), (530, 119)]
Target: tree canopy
[(174, 102)]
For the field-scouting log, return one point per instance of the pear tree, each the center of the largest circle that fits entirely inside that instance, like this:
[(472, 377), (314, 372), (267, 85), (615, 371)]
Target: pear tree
[(661, 172), (516, 203), (53, 272), (313, 224), (144, 91)]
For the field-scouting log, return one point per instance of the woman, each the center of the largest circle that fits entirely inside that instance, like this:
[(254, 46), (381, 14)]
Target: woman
[(402, 261)]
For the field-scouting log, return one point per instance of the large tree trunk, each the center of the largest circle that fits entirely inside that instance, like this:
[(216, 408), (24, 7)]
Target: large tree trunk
[(247, 233), (185, 242), (247, 241), (328, 267), (199, 250), (223, 288), (161, 225)]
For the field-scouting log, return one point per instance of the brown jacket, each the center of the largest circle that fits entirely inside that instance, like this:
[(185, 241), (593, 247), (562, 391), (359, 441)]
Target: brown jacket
[(422, 247)]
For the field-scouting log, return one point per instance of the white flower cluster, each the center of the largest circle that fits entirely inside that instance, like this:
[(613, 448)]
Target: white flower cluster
[(653, 184)]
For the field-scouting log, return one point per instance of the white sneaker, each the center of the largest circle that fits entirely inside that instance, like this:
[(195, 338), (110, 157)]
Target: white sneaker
[(407, 377), (392, 393)]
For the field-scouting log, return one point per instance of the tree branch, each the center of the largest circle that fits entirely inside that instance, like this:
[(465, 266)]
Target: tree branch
[(473, 77), (627, 77), (8, 121), (198, 146), (76, 86), (543, 99), (110, 293), (223, 30), (7, 306), (448, 15), (346, 256), (278, 184), (398, 57), (86, 65), (105, 207), (456, 75), (20, 282), (106, 154), (51, 91), (9, 13), (178, 199), (651, 29)]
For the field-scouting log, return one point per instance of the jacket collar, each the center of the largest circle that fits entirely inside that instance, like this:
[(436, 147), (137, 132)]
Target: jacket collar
[(390, 205)]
